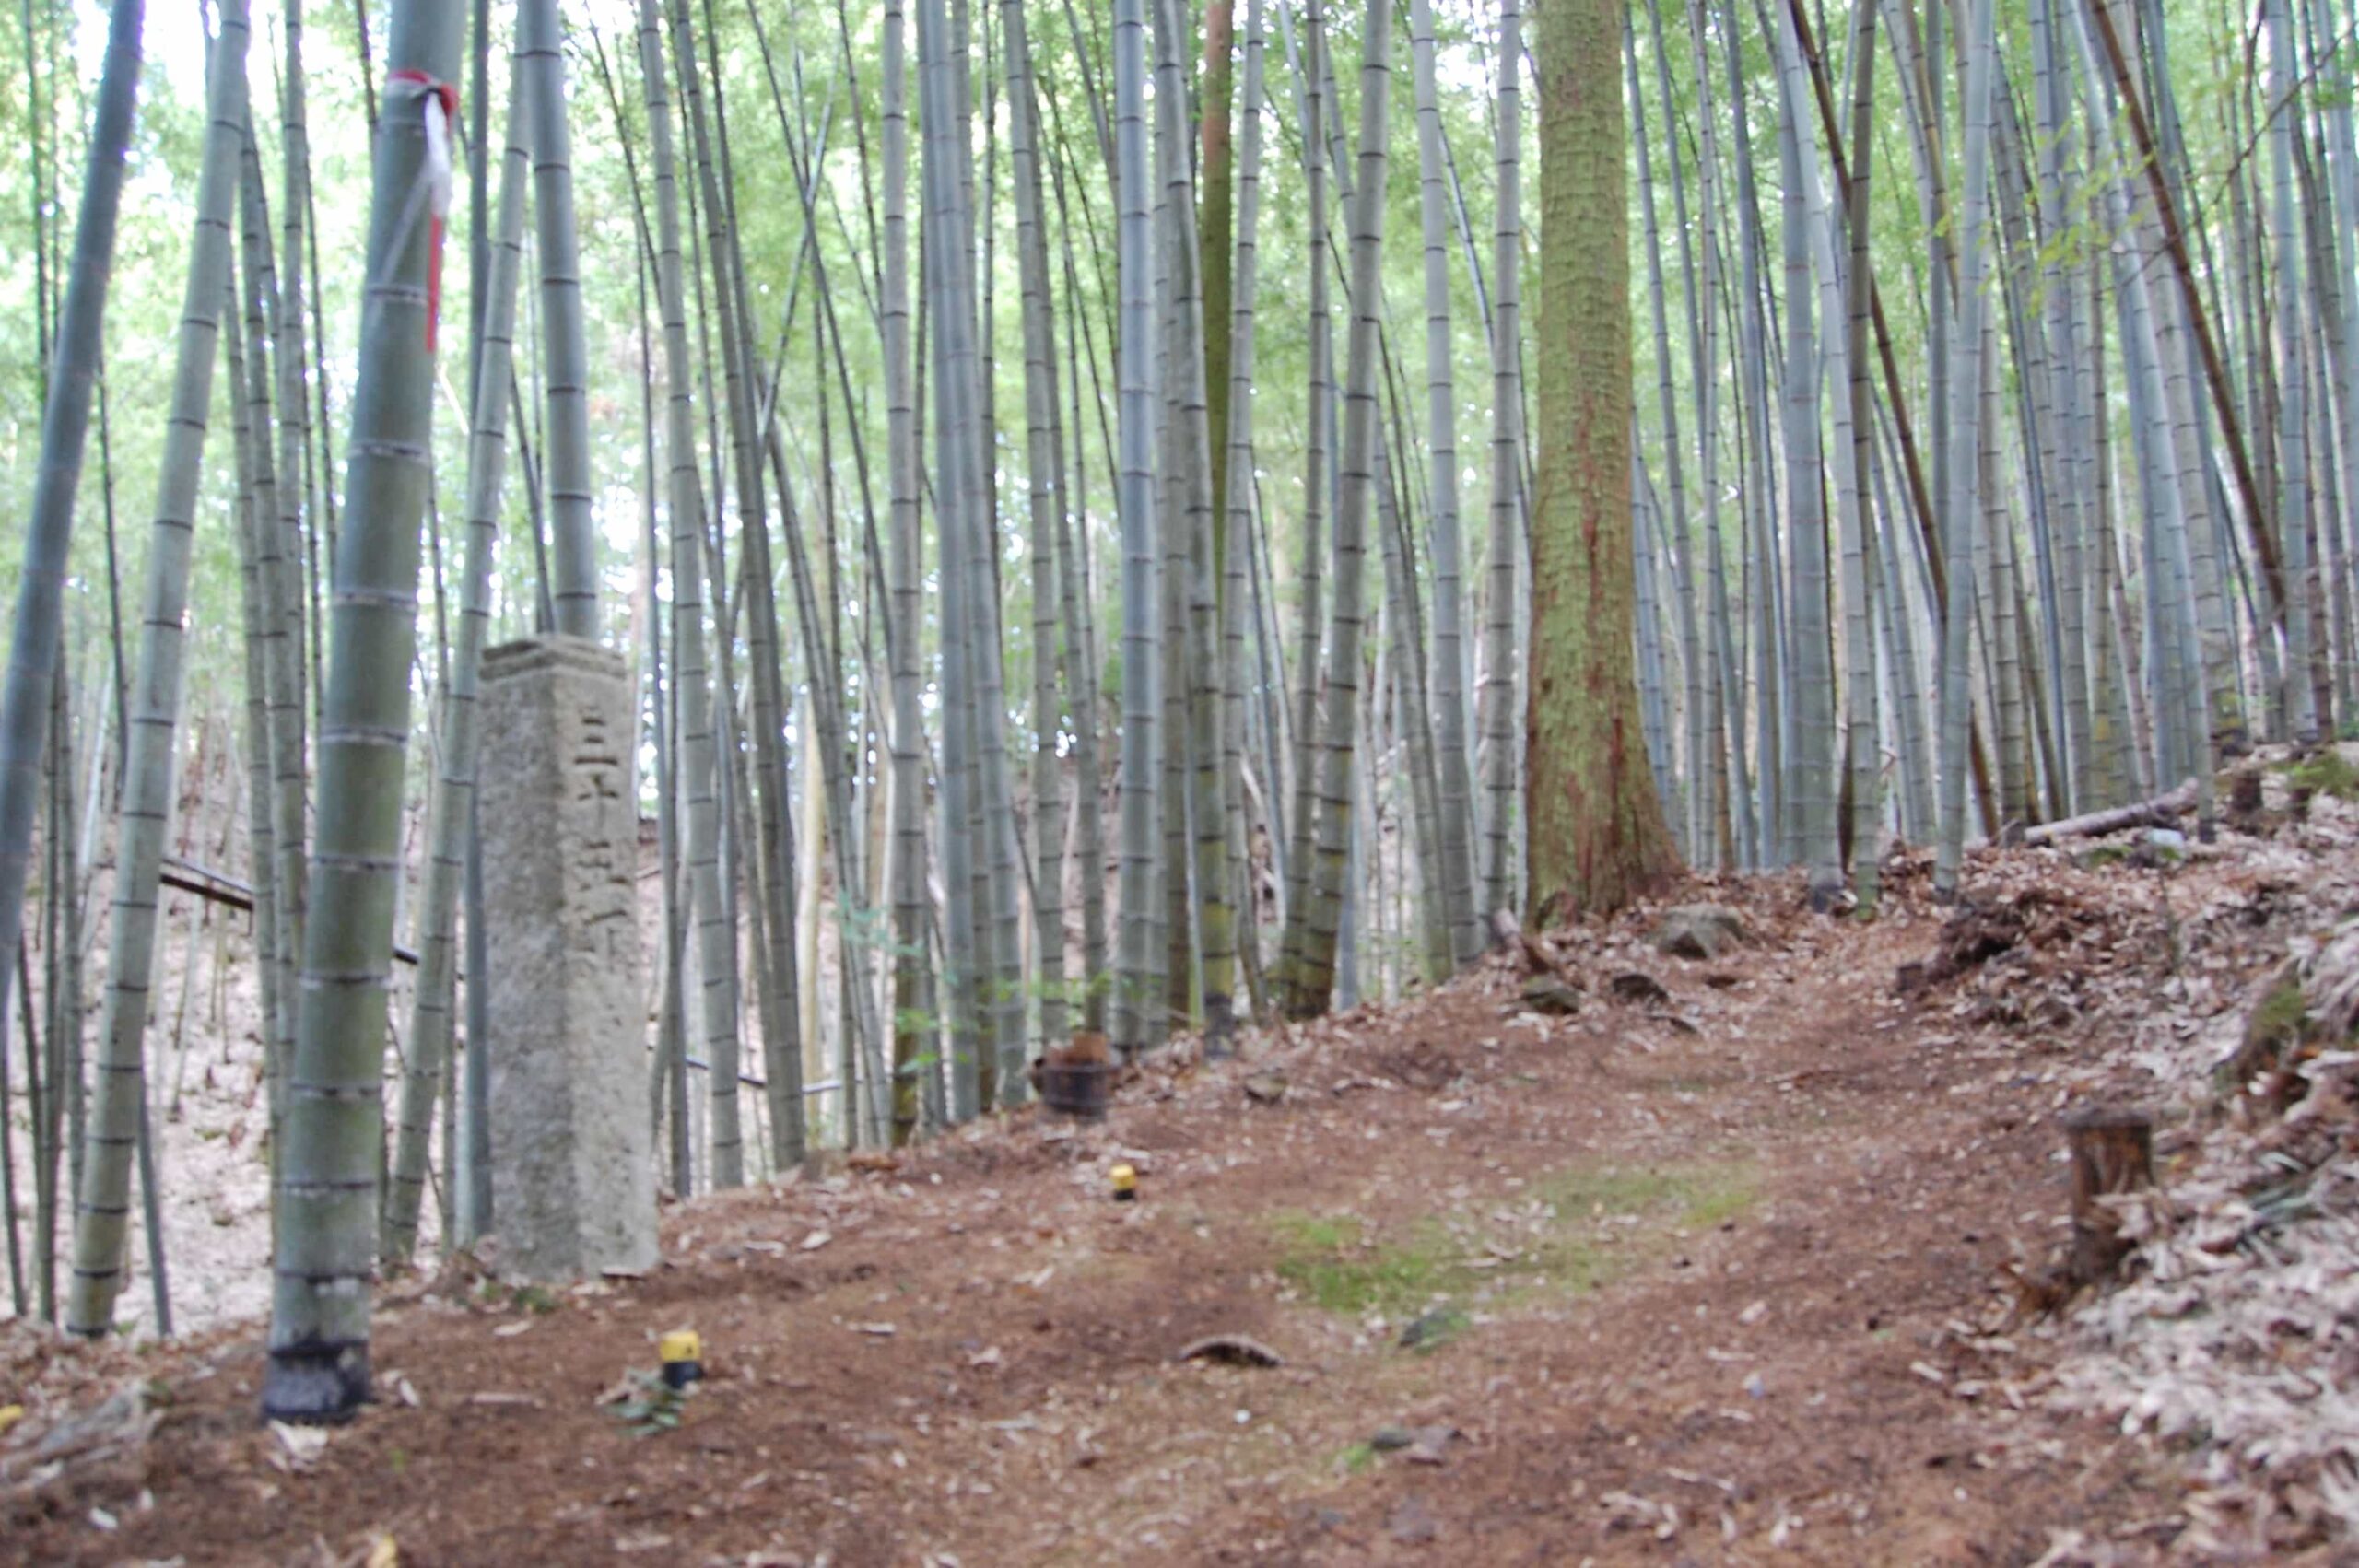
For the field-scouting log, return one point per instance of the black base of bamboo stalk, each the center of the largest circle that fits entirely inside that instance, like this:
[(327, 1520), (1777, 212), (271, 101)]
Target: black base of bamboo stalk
[(315, 1384), (1220, 1028)]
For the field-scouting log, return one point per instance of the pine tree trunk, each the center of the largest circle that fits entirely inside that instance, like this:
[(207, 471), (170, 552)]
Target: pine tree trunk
[(1597, 834)]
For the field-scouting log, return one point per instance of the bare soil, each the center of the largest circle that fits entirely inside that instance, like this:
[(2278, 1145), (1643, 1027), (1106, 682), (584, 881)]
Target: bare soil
[(1724, 1279)]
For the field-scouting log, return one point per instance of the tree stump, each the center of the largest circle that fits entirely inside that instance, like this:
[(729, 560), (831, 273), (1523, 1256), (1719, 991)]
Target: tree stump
[(2113, 1152)]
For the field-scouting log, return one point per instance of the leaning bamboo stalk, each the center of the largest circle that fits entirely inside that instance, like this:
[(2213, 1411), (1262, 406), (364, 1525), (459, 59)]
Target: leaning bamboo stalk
[(772, 825), (452, 806), (1449, 684), (1237, 503), (261, 860), (2256, 510), (716, 969), (822, 647), (65, 421), (1686, 817), (281, 645), (1312, 984), (118, 1109)]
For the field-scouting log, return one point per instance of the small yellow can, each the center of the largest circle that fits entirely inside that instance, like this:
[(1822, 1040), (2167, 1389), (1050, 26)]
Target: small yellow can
[(1125, 1178), (682, 1353)]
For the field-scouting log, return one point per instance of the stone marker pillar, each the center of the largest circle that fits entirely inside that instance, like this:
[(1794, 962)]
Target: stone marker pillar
[(572, 1171)]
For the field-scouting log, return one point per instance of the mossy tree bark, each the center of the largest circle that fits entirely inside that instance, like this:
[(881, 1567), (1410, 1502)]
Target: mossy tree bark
[(1598, 838)]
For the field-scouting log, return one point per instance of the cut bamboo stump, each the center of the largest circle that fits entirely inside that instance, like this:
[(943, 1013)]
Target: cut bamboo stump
[(2113, 1152)]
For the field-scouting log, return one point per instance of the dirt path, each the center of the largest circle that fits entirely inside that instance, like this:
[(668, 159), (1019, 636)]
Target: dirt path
[(1707, 1280)]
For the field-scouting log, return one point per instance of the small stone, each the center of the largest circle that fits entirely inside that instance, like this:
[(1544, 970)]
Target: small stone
[(1432, 1444), (1266, 1088), (1435, 1328), (1635, 987), (1410, 1523), (1550, 994), (1699, 931)]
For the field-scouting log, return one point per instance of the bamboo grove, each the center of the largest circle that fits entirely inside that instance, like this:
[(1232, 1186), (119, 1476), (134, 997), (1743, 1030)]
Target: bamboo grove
[(974, 422)]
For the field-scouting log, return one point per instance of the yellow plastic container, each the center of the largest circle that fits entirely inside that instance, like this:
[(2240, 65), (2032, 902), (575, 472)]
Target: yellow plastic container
[(682, 1353)]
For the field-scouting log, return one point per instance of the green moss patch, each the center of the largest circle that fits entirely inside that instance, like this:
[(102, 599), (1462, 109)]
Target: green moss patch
[(1573, 1230), (2325, 772)]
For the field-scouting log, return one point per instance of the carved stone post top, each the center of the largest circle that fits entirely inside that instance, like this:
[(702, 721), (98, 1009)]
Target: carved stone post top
[(554, 650)]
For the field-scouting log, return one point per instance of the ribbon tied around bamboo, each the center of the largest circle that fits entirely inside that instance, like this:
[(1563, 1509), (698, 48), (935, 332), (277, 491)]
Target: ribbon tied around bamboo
[(439, 101)]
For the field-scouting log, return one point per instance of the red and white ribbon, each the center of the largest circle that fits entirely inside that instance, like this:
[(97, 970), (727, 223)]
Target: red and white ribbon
[(441, 107)]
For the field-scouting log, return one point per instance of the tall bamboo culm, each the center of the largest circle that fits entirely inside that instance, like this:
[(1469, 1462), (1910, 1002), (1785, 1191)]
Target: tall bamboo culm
[(120, 1091), (66, 423), (317, 1369), (452, 800)]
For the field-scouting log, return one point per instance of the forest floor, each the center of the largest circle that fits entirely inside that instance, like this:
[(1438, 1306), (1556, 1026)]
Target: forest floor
[(1731, 1272)]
